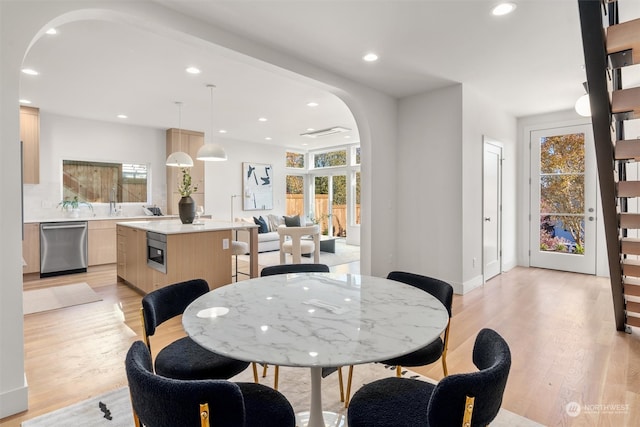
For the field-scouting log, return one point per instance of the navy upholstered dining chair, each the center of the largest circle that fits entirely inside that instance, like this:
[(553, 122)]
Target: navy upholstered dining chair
[(294, 268), (184, 358), (469, 399), (158, 401), (437, 349)]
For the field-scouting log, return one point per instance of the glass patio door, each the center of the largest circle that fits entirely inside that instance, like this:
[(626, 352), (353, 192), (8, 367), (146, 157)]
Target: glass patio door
[(563, 199), (330, 204)]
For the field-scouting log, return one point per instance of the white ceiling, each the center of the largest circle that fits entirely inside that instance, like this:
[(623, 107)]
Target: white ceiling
[(528, 62)]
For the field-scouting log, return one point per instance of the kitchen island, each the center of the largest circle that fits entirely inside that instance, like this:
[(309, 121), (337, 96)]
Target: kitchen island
[(175, 252)]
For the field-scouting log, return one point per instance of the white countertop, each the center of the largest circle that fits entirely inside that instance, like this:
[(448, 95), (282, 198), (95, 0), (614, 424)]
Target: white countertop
[(95, 218), (174, 226)]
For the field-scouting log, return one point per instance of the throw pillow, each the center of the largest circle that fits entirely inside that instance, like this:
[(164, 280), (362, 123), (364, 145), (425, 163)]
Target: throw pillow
[(262, 223), (273, 221), (292, 221)]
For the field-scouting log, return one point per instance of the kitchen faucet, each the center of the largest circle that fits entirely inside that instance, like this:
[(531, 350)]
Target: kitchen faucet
[(112, 202)]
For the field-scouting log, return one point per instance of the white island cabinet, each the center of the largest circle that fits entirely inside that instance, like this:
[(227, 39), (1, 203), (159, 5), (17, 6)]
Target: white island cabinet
[(190, 252)]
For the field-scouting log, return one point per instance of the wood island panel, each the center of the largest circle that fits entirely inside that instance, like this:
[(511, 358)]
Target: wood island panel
[(203, 255)]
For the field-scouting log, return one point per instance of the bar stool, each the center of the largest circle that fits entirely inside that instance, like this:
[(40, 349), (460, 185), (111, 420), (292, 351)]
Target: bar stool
[(239, 248)]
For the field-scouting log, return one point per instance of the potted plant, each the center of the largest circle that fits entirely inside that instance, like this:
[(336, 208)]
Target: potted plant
[(186, 205), (72, 206)]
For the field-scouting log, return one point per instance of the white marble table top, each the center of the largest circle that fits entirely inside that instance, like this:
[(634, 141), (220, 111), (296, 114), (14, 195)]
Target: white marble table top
[(315, 320)]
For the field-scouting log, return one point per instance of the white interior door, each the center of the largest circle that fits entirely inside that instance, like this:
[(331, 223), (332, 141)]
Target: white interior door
[(563, 199), (492, 208)]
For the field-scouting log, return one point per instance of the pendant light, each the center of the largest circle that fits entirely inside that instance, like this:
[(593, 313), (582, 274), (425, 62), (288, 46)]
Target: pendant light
[(210, 151), (583, 105), (179, 159)]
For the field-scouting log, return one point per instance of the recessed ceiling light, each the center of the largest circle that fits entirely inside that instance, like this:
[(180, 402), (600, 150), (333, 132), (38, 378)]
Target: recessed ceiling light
[(347, 136), (310, 129), (304, 144), (52, 31), (503, 9), (122, 116), (193, 70), (268, 138), (222, 131), (370, 57), (312, 104), (262, 119), (30, 71), (25, 101)]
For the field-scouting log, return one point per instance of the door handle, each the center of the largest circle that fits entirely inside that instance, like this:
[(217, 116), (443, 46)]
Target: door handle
[(487, 218)]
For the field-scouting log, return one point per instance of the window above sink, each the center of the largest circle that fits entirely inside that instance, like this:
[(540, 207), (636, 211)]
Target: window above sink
[(101, 182)]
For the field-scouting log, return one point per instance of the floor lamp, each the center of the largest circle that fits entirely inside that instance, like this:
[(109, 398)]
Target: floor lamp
[(233, 197)]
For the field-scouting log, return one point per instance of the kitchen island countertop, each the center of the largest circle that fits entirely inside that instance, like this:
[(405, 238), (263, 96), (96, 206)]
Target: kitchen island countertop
[(174, 226)]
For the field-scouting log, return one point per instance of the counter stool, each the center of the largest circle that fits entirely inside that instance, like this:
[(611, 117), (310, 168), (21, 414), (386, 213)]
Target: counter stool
[(239, 248)]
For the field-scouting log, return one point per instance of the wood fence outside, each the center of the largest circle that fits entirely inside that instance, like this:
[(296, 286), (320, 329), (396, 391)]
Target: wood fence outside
[(295, 206)]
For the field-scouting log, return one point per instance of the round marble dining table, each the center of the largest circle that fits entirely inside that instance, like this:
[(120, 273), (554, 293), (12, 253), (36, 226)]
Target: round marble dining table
[(315, 320)]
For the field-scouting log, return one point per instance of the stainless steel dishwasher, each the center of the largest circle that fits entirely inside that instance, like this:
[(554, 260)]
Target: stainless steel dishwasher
[(63, 248)]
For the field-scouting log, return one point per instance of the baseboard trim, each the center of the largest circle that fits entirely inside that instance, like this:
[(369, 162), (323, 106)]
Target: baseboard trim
[(469, 285), (14, 401)]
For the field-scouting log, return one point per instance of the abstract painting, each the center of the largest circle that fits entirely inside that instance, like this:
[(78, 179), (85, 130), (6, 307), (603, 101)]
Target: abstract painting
[(257, 186)]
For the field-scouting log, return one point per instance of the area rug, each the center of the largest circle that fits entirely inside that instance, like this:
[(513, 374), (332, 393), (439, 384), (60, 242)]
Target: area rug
[(55, 297), (344, 254), (113, 409)]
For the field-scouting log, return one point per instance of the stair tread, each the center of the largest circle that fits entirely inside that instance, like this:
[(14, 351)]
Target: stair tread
[(627, 149), (626, 100), (633, 321), (631, 281), (624, 36)]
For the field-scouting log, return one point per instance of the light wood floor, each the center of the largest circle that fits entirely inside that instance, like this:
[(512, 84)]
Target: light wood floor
[(559, 326)]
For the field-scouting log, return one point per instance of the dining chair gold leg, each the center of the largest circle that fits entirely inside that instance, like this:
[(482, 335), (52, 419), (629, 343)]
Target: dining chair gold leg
[(340, 383), (255, 373), (398, 371), (276, 371), (204, 415), (348, 394), (264, 370), (444, 365)]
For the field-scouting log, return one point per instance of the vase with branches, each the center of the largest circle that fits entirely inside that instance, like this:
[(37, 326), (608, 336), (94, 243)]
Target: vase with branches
[(186, 205)]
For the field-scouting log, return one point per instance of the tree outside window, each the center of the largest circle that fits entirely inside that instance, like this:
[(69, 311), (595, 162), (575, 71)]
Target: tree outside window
[(562, 193)]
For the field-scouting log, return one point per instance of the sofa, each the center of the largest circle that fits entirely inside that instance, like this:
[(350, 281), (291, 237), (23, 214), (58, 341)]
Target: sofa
[(269, 241)]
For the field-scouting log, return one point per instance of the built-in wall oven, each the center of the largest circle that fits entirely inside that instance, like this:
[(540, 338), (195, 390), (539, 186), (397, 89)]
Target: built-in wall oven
[(157, 251)]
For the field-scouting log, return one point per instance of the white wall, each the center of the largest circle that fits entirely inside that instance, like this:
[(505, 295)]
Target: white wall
[(481, 117), (429, 232), (440, 148), (224, 179), (70, 138)]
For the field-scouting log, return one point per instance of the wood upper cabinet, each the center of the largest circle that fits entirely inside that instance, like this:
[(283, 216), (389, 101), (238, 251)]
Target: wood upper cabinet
[(30, 137), (189, 142)]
